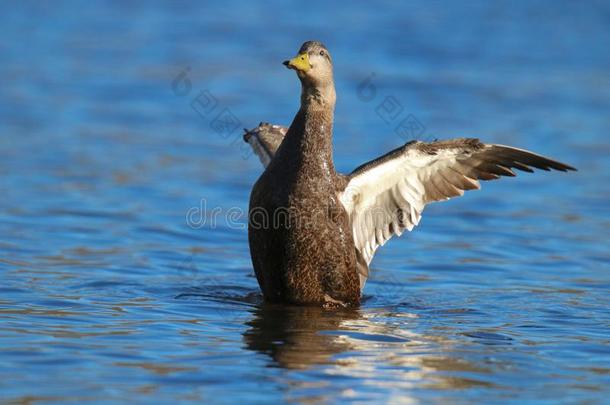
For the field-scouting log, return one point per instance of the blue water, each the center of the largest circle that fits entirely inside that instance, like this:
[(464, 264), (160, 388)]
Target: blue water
[(109, 294)]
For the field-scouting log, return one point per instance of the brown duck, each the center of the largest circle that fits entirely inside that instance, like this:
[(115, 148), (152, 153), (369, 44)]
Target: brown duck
[(313, 231)]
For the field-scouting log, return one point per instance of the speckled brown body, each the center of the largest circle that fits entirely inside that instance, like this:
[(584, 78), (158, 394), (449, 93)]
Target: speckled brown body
[(312, 231), (304, 252)]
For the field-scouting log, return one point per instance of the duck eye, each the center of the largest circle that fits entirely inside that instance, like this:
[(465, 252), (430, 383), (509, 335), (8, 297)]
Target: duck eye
[(322, 53)]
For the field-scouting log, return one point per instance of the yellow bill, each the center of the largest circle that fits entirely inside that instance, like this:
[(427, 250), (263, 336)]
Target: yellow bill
[(300, 62)]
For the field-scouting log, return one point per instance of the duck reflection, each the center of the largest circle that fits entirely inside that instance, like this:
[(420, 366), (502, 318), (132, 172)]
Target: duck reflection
[(295, 338), (302, 337)]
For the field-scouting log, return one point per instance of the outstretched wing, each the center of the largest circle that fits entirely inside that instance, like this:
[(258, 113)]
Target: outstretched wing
[(387, 195), (264, 140)]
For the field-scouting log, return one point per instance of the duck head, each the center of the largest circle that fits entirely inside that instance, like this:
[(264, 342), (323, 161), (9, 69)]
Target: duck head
[(314, 68)]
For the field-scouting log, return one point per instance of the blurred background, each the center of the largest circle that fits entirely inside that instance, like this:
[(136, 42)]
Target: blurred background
[(124, 183)]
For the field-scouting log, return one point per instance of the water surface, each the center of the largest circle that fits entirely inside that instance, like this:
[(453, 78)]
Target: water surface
[(109, 294)]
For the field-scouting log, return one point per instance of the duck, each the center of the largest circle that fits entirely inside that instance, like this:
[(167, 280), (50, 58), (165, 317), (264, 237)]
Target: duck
[(312, 231)]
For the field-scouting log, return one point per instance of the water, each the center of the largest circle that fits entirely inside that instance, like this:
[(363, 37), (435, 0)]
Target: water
[(108, 295)]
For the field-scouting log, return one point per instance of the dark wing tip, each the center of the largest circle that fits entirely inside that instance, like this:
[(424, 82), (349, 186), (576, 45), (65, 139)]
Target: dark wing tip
[(248, 133), (555, 165), (524, 160), (568, 168)]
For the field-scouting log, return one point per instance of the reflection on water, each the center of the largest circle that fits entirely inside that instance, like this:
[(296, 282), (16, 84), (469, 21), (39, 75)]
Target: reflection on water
[(107, 295), (363, 347), (295, 337)]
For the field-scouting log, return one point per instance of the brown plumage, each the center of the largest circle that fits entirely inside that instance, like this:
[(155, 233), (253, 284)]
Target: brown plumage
[(313, 232), (300, 236)]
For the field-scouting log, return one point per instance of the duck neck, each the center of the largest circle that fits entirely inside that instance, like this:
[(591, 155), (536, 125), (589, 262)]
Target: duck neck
[(316, 116), (314, 97), (308, 143)]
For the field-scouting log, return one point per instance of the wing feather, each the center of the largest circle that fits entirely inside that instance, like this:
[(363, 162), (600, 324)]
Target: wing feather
[(388, 195), (264, 140)]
